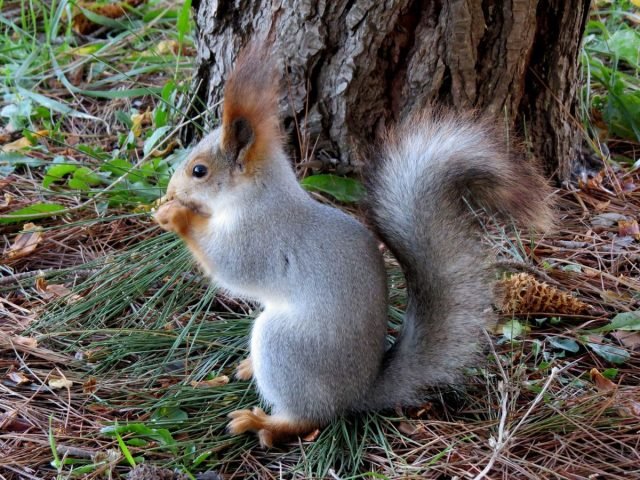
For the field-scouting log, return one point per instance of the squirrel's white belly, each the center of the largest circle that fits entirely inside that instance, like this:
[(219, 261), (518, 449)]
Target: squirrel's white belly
[(276, 311)]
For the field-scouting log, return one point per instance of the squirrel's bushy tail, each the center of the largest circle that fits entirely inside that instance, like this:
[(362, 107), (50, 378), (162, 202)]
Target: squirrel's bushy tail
[(430, 169)]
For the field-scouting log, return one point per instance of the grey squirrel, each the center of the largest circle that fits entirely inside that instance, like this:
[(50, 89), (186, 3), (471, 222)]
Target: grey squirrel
[(318, 348)]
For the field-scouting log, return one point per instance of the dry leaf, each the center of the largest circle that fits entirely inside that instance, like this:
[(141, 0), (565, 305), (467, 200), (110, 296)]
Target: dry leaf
[(8, 200), (26, 242), (51, 292), (99, 409), (82, 25), (24, 341), (59, 382), (57, 290), (628, 339), (624, 401), (139, 120), (407, 428), (92, 356), (90, 386), (18, 378), (592, 183), (634, 408), (629, 228), (5, 182), (611, 297), (602, 383), (166, 47), (214, 382), (22, 142), (156, 152), (16, 145), (10, 422)]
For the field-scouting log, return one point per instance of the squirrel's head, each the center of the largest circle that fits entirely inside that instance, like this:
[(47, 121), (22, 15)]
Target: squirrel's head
[(248, 138)]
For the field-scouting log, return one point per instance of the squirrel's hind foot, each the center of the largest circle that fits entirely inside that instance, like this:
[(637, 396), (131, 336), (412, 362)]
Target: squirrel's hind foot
[(271, 429), (244, 370)]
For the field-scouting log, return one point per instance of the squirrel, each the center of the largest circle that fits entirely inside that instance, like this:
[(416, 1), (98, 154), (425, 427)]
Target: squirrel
[(318, 348)]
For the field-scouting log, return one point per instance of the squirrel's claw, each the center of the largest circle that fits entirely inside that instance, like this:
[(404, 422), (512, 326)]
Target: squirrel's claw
[(244, 370), (251, 421), (269, 428)]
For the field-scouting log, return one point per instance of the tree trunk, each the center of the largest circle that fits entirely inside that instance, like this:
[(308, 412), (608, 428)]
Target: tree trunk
[(352, 67)]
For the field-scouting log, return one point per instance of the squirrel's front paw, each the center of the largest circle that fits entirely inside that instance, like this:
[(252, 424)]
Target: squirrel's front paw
[(173, 217)]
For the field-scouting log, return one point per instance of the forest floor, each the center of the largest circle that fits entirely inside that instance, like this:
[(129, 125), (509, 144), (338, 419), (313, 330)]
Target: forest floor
[(115, 352)]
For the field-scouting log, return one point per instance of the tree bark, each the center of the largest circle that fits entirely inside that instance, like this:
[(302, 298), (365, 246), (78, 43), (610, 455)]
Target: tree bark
[(354, 66)]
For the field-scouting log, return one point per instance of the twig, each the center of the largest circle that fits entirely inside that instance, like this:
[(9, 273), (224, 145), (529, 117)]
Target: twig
[(18, 277), (497, 445), (500, 443), (333, 474), (74, 451)]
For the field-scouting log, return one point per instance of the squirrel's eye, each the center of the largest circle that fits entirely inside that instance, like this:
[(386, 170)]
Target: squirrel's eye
[(199, 171)]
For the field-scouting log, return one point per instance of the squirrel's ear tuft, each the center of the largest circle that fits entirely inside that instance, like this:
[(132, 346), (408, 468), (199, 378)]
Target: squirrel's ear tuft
[(238, 138), (250, 124)]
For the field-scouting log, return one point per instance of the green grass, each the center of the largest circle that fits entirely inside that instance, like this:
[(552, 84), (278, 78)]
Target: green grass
[(53, 80), (611, 72)]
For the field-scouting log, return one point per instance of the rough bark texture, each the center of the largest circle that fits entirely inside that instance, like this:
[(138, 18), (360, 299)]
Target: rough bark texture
[(354, 66)]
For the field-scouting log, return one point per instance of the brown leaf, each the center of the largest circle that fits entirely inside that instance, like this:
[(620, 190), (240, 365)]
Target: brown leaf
[(8, 200), (82, 25), (612, 297), (214, 382), (76, 76), (22, 142), (156, 152), (90, 386), (16, 146), (51, 292), (593, 183), (634, 408), (18, 378), (602, 206), (10, 422), (26, 242), (628, 339), (407, 428), (57, 291), (4, 182), (165, 47), (602, 383), (629, 228), (139, 120), (99, 409)]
